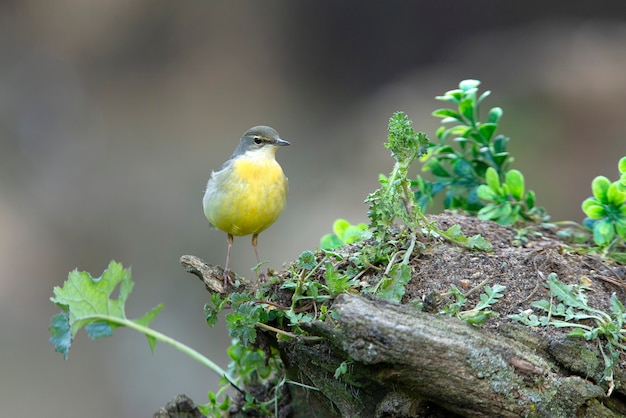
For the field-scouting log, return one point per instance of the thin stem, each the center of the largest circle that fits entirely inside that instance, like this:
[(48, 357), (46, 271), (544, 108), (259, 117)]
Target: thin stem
[(172, 342)]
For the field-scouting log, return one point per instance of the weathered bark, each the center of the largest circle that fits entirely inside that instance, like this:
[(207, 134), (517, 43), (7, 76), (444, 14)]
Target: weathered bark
[(402, 354)]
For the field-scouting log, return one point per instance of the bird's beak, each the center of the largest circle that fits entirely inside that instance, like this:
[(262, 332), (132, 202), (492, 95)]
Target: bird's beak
[(281, 142)]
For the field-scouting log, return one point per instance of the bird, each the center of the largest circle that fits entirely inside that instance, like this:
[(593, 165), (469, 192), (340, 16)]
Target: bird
[(248, 192)]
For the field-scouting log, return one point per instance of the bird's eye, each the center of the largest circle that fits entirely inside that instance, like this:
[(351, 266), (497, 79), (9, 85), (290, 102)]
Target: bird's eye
[(258, 140)]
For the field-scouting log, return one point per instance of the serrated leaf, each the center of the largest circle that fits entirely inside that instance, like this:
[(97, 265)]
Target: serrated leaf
[(85, 297), (336, 282), (306, 260), (564, 293), (97, 330), (61, 337), (87, 302), (478, 242), (393, 287)]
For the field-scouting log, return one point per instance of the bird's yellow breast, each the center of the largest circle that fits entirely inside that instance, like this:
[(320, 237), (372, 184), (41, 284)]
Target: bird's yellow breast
[(247, 195)]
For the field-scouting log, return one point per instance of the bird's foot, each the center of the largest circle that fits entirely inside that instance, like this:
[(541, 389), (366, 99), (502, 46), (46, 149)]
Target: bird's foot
[(227, 278)]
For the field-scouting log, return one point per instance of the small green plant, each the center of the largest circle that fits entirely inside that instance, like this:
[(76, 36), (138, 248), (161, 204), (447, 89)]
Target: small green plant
[(567, 305), (394, 199), (470, 163), (87, 302), (343, 233), (481, 312), (606, 210), (507, 201)]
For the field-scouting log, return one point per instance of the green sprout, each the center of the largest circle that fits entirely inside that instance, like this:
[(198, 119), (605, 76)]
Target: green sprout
[(395, 199), (343, 233), (606, 210), (507, 201), (479, 314), (572, 307)]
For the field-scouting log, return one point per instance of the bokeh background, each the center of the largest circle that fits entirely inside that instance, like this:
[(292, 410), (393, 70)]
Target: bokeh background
[(113, 114)]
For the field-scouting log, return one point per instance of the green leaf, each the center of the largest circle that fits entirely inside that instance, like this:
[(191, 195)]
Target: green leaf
[(466, 107), (464, 170), (61, 337), (453, 96), (306, 260), (436, 168), (515, 181), (530, 199), (542, 304), (393, 287), (354, 233), (494, 115), (478, 242), (489, 297), (485, 193), (600, 187), (242, 323), (336, 282), (603, 232), (492, 180), (330, 242), (145, 321), (487, 130), (97, 330), (448, 113), (87, 302), (86, 298), (483, 97), (622, 165), (339, 228), (587, 203), (469, 84), (576, 332), (620, 227), (614, 196), (564, 293)]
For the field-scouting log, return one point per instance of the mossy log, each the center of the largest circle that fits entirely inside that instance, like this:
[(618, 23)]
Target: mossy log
[(405, 363)]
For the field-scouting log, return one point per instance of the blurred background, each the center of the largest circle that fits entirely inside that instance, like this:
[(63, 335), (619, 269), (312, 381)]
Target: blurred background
[(113, 114)]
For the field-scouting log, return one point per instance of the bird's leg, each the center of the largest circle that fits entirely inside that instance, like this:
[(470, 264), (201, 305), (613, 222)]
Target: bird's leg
[(227, 269), (255, 242)]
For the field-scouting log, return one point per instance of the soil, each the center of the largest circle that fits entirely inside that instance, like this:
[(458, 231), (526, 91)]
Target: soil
[(521, 265)]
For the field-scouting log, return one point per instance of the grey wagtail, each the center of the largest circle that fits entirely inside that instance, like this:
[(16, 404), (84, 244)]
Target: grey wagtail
[(247, 194)]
